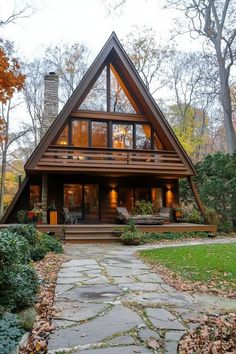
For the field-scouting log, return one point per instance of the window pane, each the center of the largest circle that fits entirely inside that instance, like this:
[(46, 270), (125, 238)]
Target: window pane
[(122, 136), (119, 101), (80, 133), (126, 198), (143, 136), (73, 196), (35, 194), (63, 138), (96, 99), (99, 134), (157, 198)]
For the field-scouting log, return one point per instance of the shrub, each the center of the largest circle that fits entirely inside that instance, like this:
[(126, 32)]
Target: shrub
[(194, 216), (136, 237), (13, 249), (27, 231), (18, 286), (10, 333), (51, 244), (131, 235), (142, 208), (216, 184), (38, 251)]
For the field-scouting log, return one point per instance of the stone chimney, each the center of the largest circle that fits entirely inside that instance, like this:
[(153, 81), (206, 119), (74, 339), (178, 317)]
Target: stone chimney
[(50, 111)]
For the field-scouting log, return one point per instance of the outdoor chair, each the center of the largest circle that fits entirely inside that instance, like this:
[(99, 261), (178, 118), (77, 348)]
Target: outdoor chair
[(71, 217), (124, 216)]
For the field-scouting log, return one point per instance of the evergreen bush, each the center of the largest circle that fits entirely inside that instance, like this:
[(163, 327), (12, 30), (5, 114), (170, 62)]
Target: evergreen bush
[(10, 333)]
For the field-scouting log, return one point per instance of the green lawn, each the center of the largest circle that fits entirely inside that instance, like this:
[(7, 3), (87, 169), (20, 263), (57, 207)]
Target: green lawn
[(204, 263)]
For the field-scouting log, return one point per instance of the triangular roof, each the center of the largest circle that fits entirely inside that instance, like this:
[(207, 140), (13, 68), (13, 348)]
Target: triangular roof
[(114, 53)]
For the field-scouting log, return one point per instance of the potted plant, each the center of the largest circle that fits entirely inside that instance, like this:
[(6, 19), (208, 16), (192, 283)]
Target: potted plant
[(131, 235)]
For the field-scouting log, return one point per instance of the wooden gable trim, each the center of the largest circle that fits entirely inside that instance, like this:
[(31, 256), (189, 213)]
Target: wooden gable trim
[(110, 116), (14, 200), (114, 53)]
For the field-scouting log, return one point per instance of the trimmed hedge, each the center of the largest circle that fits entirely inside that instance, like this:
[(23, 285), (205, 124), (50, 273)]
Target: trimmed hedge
[(19, 244)]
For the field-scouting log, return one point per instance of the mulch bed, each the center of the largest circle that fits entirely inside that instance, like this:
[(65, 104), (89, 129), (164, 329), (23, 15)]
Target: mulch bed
[(216, 334), (47, 270)]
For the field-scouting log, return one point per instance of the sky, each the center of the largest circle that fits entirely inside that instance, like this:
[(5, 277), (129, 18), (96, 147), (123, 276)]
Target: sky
[(86, 21)]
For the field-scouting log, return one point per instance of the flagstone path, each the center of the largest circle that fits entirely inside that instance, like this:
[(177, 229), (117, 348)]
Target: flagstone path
[(109, 302)]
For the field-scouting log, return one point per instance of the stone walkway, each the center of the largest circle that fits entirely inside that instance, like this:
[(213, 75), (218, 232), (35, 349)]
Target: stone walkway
[(109, 302)]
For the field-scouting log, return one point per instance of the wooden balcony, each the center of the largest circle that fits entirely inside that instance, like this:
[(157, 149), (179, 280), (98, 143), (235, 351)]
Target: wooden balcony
[(74, 159)]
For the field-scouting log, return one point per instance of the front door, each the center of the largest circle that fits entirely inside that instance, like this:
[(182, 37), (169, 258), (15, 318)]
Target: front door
[(83, 199), (91, 203)]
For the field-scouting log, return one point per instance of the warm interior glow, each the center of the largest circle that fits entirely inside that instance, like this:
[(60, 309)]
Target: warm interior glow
[(80, 133), (170, 196), (157, 199), (63, 138), (73, 196), (99, 134), (35, 194), (122, 136)]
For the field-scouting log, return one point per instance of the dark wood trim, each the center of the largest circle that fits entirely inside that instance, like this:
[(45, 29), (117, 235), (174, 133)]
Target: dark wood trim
[(110, 116), (108, 88), (197, 198)]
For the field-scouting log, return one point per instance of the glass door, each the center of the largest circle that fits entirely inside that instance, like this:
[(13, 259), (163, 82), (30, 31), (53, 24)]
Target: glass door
[(91, 203)]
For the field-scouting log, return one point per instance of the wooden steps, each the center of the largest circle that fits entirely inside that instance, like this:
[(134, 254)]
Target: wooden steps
[(90, 233)]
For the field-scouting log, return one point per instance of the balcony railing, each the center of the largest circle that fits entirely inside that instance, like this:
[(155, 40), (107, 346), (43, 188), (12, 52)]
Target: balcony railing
[(112, 159)]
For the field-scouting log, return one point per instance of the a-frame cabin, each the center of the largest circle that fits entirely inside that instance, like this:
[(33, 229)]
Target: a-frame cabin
[(109, 146)]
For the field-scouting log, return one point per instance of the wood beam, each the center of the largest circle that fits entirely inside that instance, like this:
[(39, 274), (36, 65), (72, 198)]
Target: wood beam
[(197, 198)]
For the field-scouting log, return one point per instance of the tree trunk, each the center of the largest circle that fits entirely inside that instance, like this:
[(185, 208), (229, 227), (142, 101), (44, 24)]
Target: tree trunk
[(226, 103), (2, 184)]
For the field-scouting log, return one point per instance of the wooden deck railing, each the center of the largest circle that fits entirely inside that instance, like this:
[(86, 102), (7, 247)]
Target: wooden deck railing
[(67, 158)]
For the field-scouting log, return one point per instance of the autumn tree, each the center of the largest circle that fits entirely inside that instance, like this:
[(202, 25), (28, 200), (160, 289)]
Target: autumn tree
[(214, 20), (70, 62), (11, 80)]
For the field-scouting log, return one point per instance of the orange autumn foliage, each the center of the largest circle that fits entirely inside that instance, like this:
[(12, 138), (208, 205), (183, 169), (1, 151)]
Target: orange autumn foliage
[(11, 80), (10, 77)]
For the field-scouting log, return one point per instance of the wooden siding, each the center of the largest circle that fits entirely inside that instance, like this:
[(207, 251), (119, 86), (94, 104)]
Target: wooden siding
[(77, 159)]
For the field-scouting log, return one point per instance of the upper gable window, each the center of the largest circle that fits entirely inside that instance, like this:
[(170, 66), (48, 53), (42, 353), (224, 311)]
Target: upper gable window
[(80, 133), (109, 94), (96, 99), (63, 138), (120, 102), (143, 136)]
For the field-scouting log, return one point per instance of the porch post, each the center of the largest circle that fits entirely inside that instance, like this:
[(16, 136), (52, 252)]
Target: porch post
[(44, 196), (197, 198)]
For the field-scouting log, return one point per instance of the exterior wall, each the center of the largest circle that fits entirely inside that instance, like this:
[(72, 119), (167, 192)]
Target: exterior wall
[(108, 192)]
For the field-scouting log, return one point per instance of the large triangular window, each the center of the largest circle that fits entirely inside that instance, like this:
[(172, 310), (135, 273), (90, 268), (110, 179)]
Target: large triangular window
[(109, 94), (96, 99), (120, 101)]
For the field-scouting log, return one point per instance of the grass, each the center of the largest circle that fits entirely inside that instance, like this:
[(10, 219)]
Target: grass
[(213, 264)]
